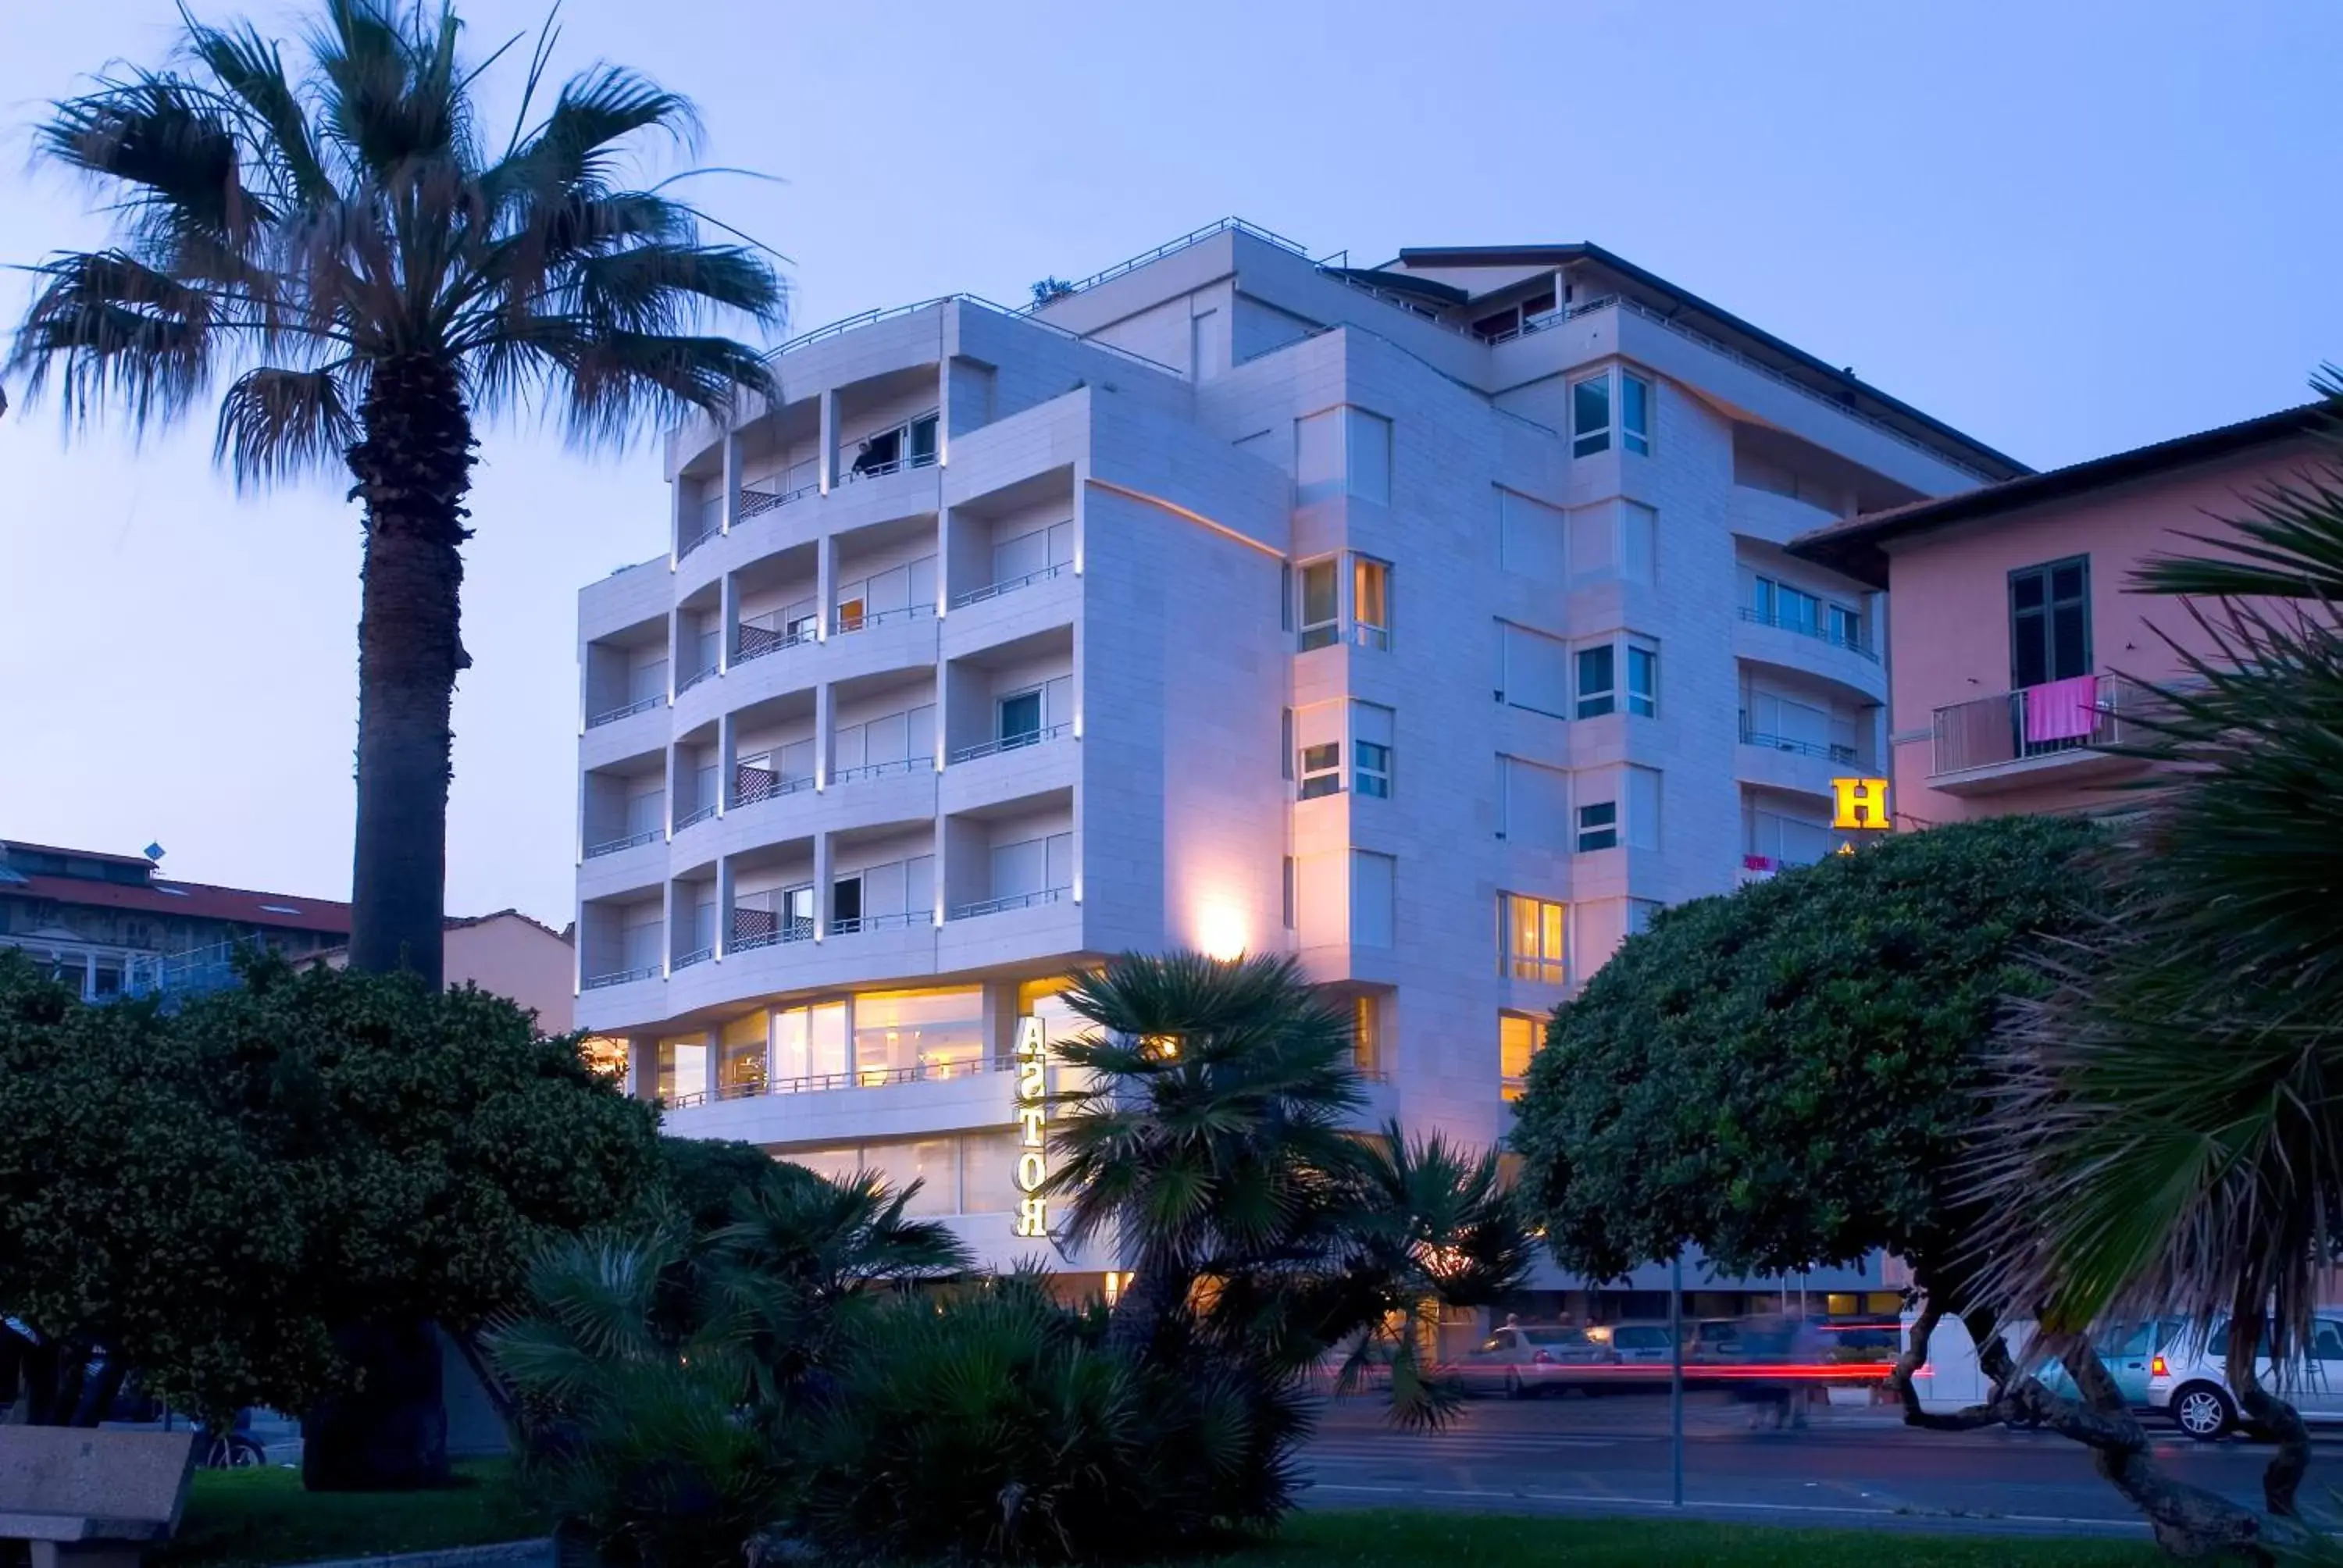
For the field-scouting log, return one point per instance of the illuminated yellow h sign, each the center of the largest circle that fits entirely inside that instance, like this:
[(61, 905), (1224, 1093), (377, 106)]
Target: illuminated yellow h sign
[(1861, 803)]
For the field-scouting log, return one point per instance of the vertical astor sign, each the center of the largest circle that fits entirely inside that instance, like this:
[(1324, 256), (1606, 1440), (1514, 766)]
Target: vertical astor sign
[(1033, 1116)]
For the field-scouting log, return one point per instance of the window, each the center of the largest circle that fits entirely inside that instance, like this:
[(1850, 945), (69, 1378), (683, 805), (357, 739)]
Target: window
[(1367, 1033), (1020, 716), (1643, 808), (810, 1042), (922, 1033), (923, 441), (1590, 415), (1369, 465), (1517, 1041), (1597, 682), (1321, 770), (1289, 889), (1342, 451), (1639, 543), (2049, 622), (1845, 627), (1370, 749), (1598, 825), (1533, 670), (1636, 414), (1643, 681), (1285, 743), (1285, 596), (1375, 898), (1370, 602), (1321, 604), (740, 1066), (682, 1068), (1535, 946)]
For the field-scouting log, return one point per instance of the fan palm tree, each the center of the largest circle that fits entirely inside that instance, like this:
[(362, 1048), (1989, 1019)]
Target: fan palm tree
[(2173, 1134), (1207, 1132), (370, 273)]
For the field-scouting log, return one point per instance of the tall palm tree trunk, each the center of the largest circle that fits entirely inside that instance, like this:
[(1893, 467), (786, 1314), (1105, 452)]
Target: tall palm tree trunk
[(413, 468)]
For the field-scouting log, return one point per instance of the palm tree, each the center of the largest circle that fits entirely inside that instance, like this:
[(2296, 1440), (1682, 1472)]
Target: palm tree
[(2171, 1137), (372, 274), (1208, 1130)]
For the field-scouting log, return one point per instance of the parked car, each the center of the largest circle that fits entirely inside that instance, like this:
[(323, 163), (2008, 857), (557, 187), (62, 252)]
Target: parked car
[(1639, 1344), (1523, 1359), (2126, 1350), (2188, 1381), (1715, 1342)]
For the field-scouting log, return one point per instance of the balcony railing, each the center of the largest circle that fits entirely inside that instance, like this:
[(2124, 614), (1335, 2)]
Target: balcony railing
[(754, 928), (842, 623), (1013, 742), (757, 500), (692, 819), (882, 769), (613, 846), (1819, 633), (620, 976), (1009, 901), (905, 920), (855, 1078), (2034, 721), (698, 539), (694, 678), (751, 784), (644, 706), (893, 465), (1830, 752), (756, 641), (1008, 585), (695, 955)]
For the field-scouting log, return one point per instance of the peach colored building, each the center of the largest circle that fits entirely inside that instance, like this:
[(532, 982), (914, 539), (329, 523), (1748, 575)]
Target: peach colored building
[(511, 955), (2016, 646)]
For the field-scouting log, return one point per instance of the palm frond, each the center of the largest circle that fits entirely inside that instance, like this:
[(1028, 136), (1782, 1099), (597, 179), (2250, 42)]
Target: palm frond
[(115, 331), (172, 156), (276, 422), (250, 71)]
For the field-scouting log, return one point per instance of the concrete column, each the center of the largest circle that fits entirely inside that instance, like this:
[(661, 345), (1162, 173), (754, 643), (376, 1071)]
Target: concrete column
[(675, 649), (729, 592), (724, 890), (642, 1065), (829, 440), (825, 583), (726, 750), (825, 708), (666, 922), (943, 392), (945, 586), (673, 772), (822, 863), (732, 478), (676, 492)]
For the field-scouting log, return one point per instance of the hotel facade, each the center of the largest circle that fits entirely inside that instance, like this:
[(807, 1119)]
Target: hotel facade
[(1431, 622)]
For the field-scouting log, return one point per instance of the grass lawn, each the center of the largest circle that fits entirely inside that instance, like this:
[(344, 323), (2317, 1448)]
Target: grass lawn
[(249, 1518), (243, 1518), (1391, 1539)]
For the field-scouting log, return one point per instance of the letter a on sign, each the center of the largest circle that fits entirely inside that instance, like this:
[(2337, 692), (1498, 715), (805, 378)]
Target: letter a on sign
[(1861, 803), (1028, 1036)]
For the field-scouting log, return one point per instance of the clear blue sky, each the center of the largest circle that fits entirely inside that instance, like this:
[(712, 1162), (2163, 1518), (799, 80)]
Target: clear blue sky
[(2066, 227)]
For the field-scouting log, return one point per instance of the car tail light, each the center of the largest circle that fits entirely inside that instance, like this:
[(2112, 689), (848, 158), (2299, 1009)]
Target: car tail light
[(2156, 1367), (1543, 1359)]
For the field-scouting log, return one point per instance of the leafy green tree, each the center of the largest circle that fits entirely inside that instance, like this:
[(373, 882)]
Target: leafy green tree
[(2173, 1129), (374, 274), (272, 1195)]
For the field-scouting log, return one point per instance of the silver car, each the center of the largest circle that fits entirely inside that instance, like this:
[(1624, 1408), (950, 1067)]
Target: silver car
[(1519, 1360)]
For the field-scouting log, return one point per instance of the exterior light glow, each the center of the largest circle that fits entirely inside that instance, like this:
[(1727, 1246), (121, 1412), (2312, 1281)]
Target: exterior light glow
[(1220, 930)]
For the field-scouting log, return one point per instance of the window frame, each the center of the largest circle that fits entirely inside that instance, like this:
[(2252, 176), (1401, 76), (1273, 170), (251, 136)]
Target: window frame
[(1634, 437), (1370, 778), (1316, 782), (1545, 960), (1644, 703), (1510, 1085), (1316, 634), (1590, 441), (1588, 702), (1606, 828), (2047, 572), (1365, 633)]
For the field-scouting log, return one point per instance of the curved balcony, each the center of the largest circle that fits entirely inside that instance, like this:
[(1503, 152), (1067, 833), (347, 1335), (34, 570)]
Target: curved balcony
[(1779, 762), (1804, 650)]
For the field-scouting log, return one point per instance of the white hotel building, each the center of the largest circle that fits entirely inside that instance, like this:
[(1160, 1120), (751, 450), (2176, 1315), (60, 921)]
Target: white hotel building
[(1431, 622)]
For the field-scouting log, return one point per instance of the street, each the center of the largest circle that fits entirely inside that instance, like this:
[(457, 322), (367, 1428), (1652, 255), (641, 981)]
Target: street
[(1861, 1466)]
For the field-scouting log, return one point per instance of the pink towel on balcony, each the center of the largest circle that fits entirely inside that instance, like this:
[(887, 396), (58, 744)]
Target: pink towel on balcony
[(2062, 710)]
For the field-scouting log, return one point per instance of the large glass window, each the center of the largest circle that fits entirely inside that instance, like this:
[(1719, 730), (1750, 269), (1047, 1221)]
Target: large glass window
[(1643, 681), (988, 1173), (1367, 1033), (809, 1046), (605, 1056), (1597, 681), (1590, 415), (1370, 602), (740, 1064), (1517, 1041), (1534, 937), (2050, 622), (682, 1069), (918, 1033), (1634, 414), (1321, 604), (1321, 770)]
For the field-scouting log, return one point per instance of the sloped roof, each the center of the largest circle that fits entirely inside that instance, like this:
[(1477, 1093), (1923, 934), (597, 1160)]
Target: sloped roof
[(188, 901)]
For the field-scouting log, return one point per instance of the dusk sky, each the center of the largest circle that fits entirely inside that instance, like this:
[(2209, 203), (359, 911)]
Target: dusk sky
[(2064, 229)]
